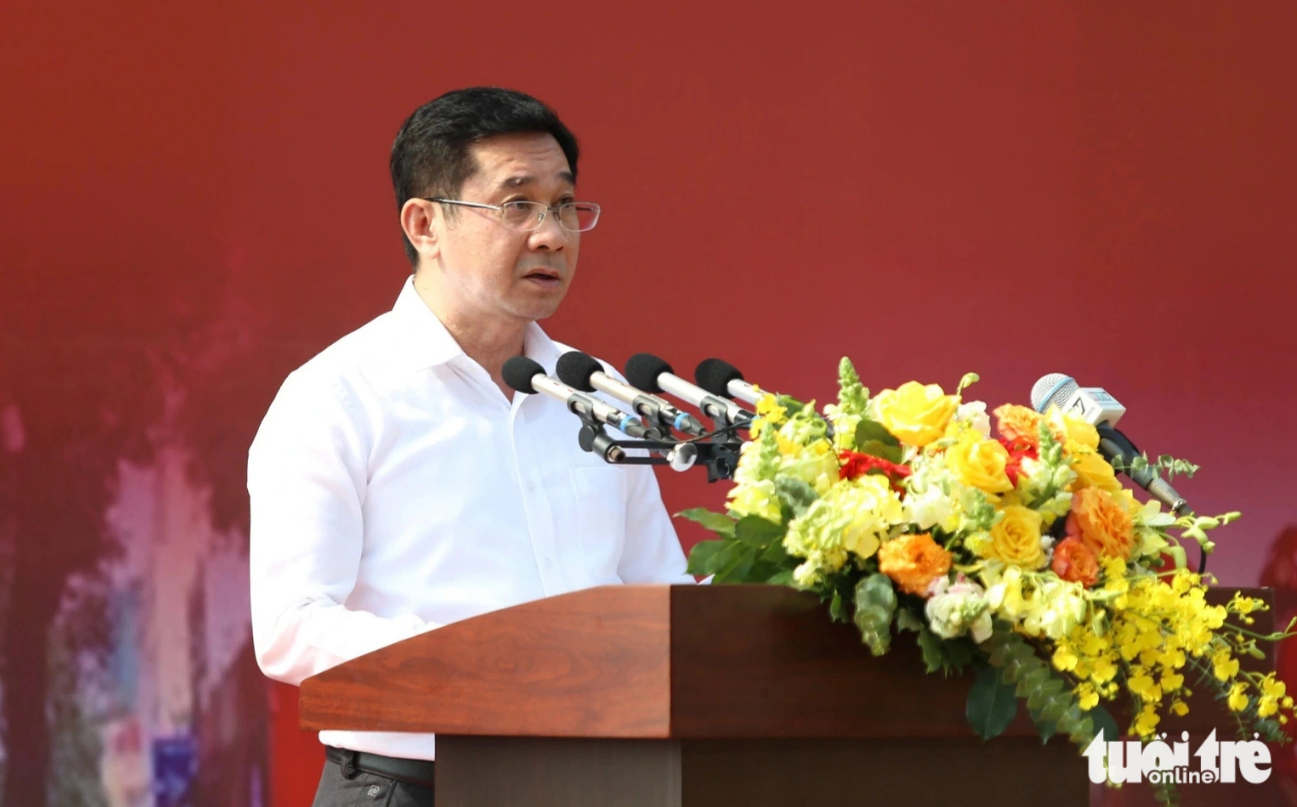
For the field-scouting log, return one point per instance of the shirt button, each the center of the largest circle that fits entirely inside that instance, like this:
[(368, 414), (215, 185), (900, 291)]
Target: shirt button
[(531, 487)]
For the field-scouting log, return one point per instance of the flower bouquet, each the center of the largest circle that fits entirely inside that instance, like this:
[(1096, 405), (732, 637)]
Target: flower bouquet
[(1017, 555)]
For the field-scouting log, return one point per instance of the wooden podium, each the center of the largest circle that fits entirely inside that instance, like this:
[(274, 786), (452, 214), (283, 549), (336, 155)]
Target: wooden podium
[(694, 695)]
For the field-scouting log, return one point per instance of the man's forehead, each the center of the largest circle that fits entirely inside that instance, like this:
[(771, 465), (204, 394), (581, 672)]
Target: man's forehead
[(512, 161)]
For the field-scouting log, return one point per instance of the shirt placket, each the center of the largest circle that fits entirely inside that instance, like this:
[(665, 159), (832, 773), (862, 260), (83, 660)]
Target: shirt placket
[(540, 515)]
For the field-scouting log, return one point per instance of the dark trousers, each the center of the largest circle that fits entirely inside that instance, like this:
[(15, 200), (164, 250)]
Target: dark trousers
[(345, 786)]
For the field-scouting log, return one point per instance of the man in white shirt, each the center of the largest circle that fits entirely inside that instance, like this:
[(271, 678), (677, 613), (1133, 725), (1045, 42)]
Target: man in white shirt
[(397, 484)]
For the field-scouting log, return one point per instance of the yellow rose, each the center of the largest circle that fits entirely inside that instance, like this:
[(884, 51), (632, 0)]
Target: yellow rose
[(914, 413), (1016, 538), (980, 464), (1070, 428), (1092, 470), (1102, 521)]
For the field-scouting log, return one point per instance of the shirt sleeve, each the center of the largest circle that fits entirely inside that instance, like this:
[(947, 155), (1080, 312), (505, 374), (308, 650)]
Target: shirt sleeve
[(652, 552), (307, 475)]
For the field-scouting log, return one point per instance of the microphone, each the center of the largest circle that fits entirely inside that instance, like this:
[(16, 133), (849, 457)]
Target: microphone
[(650, 373), (527, 376), (722, 378), (1095, 406), (585, 373)]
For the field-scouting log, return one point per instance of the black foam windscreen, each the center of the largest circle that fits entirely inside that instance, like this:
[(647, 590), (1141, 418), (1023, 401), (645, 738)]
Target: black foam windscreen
[(643, 370), (575, 369), (715, 375), (519, 371)]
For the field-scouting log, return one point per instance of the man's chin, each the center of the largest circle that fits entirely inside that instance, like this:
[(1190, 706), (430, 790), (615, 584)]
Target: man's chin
[(539, 309)]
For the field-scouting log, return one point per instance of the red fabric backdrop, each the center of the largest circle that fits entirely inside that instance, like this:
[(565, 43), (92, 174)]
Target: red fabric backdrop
[(1015, 188)]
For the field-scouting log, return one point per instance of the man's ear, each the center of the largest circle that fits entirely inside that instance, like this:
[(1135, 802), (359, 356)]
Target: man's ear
[(419, 220)]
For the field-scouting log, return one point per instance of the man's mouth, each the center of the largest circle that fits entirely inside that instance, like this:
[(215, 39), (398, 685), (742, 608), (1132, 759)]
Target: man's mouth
[(546, 277)]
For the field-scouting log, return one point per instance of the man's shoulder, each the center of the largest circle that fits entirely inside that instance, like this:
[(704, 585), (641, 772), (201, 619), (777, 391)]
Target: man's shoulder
[(353, 361)]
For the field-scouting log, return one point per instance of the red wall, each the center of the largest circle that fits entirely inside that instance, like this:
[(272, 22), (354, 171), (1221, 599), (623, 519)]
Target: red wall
[(1012, 188)]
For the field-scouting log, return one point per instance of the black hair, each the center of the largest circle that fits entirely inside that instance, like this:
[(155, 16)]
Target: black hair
[(430, 156)]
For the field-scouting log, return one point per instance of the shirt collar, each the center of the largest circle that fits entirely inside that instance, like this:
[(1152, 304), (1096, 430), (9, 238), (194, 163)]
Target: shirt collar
[(429, 344)]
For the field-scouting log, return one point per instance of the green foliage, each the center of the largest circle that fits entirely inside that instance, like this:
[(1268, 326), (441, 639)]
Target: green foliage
[(947, 655), (874, 439), (703, 557), (1051, 702), (950, 656), (757, 531), (1166, 465), (718, 523), (991, 704), (869, 431), (1045, 728), (875, 603), (751, 550)]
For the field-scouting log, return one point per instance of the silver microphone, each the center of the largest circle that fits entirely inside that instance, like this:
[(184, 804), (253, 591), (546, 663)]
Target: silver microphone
[(585, 373), (527, 376), (648, 372), (1095, 406), (722, 378)]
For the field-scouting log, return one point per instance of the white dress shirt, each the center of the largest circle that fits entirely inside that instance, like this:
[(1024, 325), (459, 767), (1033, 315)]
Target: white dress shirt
[(395, 489)]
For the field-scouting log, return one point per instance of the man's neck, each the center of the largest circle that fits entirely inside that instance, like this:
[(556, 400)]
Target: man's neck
[(486, 341)]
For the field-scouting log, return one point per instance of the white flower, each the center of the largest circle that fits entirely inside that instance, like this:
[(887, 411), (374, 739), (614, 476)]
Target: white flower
[(954, 609), (931, 508), (974, 414)]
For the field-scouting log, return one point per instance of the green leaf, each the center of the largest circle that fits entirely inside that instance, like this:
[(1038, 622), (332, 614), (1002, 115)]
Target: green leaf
[(959, 654), (875, 603), (703, 557), (930, 643), (868, 431), (757, 531), (947, 655), (718, 523), (1047, 728), (837, 611), (739, 562), (784, 578), (1104, 722), (877, 448), (991, 704), (907, 620)]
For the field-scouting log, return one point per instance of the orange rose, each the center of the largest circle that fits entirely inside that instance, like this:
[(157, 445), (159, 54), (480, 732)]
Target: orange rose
[(1075, 562), (913, 562), (1102, 522), (1018, 424)]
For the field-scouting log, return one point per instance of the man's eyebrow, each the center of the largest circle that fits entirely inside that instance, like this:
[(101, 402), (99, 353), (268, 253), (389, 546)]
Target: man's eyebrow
[(527, 179)]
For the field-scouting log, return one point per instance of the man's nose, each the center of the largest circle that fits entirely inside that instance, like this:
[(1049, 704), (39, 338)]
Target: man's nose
[(550, 235)]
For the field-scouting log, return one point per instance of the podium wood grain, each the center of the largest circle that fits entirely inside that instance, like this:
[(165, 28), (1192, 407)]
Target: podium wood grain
[(668, 696), (656, 662)]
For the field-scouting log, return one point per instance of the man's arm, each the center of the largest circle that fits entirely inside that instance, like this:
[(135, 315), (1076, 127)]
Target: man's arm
[(652, 553), (307, 473)]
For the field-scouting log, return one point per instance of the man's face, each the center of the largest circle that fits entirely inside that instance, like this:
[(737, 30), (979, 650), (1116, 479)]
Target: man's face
[(489, 269)]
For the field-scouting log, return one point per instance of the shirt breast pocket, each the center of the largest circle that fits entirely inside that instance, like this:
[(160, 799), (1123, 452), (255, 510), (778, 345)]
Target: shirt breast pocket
[(600, 515)]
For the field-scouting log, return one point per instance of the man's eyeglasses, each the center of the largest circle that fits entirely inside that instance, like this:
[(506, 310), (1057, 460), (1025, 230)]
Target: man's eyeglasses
[(521, 214)]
